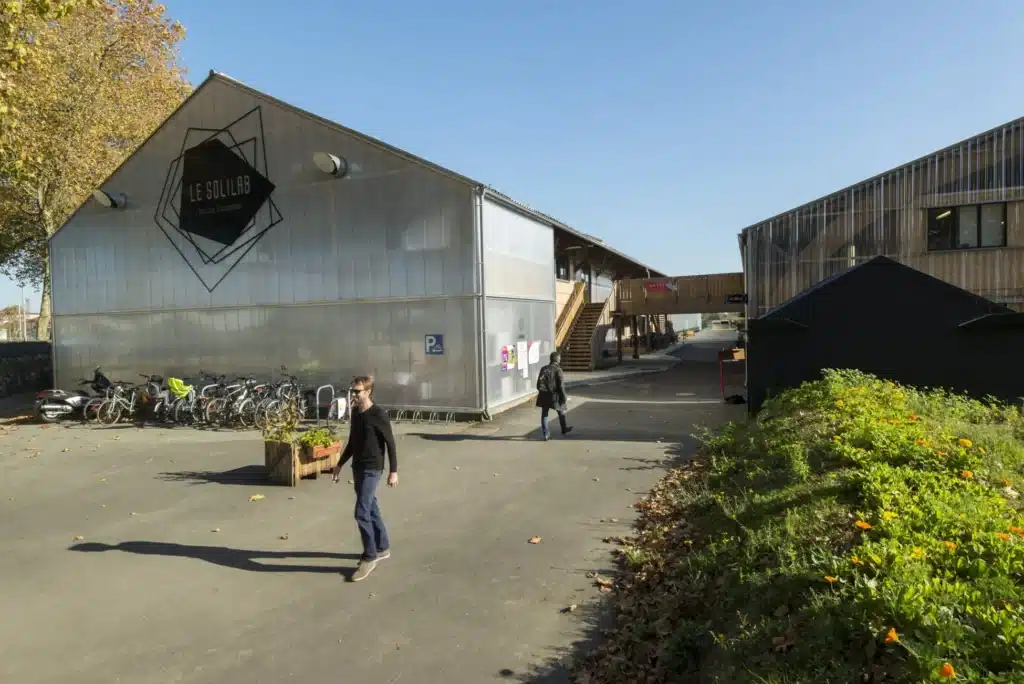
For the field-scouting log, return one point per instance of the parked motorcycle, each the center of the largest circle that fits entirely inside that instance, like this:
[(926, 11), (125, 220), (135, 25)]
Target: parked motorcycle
[(54, 405)]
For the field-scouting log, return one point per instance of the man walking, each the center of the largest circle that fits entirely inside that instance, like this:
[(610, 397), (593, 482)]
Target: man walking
[(551, 395), (369, 435)]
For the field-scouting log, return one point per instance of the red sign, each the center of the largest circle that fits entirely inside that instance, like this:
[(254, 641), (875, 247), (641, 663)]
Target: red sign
[(659, 286)]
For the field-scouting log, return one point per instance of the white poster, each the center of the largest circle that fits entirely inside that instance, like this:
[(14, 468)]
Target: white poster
[(534, 352), (522, 352)]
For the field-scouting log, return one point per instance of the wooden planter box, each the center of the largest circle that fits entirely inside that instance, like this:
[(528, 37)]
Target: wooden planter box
[(288, 463)]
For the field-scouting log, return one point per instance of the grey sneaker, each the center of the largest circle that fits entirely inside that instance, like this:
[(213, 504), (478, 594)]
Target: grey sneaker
[(364, 570), (386, 553)]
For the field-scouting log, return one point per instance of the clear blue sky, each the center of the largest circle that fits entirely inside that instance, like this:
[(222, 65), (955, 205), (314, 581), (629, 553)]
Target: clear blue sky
[(663, 127)]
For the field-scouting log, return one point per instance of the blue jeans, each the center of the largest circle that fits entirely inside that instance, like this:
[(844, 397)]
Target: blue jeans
[(544, 421), (368, 518)]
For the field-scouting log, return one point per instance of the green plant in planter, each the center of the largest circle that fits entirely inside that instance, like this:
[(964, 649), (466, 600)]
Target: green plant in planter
[(282, 426), (319, 437)]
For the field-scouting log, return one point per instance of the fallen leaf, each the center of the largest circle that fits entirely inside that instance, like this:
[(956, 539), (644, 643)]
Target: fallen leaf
[(372, 594), (604, 590), (597, 479), (215, 529), (257, 497), (291, 498), (456, 467), (79, 538), (496, 474), (569, 609), (117, 436), (534, 540), (65, 449), (283, 537), (614, 520), (351, 481)]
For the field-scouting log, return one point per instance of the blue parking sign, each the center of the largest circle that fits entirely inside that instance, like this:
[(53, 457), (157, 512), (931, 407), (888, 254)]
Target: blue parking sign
[(433, 345)]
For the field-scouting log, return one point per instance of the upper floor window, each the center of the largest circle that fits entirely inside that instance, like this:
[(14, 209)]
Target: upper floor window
[(967, 227), (562, 266)]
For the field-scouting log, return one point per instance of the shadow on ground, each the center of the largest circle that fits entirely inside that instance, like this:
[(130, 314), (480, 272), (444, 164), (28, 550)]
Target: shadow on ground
[(246, 475), (239, 559), (595, 617)]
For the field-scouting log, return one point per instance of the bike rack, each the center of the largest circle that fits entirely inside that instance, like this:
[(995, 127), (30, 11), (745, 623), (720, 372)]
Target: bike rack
[(327, 421)]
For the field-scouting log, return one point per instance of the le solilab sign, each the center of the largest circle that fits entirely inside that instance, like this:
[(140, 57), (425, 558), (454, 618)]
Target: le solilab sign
[(220, 192)]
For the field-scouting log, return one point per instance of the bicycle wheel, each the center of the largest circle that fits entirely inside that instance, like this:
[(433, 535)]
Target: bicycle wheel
[(245, 413), (266, 412), (215, 411), (91, 411), (182, 412), (109, 412)]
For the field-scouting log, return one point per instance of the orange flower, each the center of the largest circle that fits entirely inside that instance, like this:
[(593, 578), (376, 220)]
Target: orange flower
[(892, 637), (966, 474), (1007, 483), (918, 553), (965, 443), (923, 442), (947, 671), (1003, 536), (981, 449), (1017, 530), (830, 579), (912, 416), (856, 561), (949, 545), (863, 525), (940, 453)]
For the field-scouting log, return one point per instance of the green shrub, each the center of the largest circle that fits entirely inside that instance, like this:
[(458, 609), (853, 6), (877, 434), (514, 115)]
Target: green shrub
[(318, 437), (855, 531)]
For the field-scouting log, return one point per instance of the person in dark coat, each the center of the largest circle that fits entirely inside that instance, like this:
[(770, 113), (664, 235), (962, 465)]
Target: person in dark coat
[(551, 395)]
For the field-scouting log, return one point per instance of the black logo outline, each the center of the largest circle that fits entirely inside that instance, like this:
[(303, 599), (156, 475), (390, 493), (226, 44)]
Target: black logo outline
[(250, 235)]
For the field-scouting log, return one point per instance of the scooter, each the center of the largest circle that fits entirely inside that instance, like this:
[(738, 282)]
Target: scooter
[(54, 405)]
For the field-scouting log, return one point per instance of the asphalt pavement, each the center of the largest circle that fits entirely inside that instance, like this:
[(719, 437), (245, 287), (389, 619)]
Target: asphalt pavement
[(137, 555)]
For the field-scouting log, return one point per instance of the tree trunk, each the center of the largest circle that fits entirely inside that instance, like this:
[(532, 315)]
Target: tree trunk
[(43, 332)]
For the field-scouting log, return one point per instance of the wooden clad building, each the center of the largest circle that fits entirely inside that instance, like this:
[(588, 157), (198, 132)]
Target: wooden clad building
[(956, 214)]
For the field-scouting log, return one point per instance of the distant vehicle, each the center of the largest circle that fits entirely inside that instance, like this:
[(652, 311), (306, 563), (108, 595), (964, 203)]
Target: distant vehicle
[(723, 325)]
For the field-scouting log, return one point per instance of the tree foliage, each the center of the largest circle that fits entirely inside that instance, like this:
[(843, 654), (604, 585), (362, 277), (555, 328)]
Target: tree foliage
[(95, 80)]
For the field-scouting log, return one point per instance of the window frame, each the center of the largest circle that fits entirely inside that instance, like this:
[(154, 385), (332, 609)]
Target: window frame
[(955, 210)]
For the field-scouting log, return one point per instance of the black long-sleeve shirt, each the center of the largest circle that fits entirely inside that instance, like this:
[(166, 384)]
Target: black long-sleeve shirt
[(368, 437)]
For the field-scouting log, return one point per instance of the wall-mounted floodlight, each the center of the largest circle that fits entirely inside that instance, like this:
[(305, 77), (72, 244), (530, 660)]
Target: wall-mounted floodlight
[(108, 200), (329, 163)]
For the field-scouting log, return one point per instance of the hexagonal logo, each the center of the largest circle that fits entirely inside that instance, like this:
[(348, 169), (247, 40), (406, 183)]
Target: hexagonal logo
[(217, 203)]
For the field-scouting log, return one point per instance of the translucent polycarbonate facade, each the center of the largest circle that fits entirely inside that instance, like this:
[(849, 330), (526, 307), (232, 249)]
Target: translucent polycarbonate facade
[(519, 275), (332, 277)]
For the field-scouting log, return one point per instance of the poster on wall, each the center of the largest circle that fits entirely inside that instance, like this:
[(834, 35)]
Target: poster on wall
[(504, 359), (534, 354), (522, 354), (512, 361)]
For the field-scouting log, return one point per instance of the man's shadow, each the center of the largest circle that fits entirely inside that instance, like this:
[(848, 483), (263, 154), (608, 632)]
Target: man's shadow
[(240, 559)]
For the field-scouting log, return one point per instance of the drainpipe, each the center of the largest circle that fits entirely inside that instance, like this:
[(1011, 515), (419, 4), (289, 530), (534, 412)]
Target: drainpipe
[(478, 228)]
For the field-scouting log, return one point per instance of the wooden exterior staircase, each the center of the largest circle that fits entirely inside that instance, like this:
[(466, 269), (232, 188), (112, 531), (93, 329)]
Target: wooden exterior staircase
[(577, 350)]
